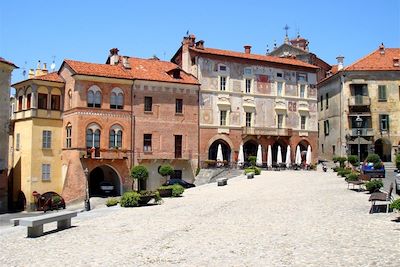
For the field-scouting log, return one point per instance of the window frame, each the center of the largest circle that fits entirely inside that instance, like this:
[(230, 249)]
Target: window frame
[(282, 124), (303, 126), (42, 101), (277, 88), (222, 118), (178, 106), (249, 119), (147, 143), (178, 146), (222, 85), (382, 93), (46, 172), (148, 104), (326, 100), (46, 139), (68, 138), (384, 117)]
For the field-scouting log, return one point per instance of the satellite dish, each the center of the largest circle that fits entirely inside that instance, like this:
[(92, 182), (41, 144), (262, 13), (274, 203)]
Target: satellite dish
[(53, 66)]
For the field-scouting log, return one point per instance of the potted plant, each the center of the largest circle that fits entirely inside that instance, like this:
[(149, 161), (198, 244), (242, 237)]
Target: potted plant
[(374, 185), (165, 191), (139, 173), (395, 204), (166, 171)]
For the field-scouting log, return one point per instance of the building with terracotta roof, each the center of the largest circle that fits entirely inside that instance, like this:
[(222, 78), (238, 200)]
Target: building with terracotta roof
[(6, 68), (252, 100), (367, 91), (109, 117)]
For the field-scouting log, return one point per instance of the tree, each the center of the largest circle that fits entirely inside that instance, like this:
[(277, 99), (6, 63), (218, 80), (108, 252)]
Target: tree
[(166, 170), (140, 173)]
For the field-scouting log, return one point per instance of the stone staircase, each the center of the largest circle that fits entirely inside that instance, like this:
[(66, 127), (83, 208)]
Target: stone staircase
[(206, 176)]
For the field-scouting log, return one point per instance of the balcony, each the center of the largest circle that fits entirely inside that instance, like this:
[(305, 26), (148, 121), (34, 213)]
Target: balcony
[(359, 101), (363, 132), (264, 131)]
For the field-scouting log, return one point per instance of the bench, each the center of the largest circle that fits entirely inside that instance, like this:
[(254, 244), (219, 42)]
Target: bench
[(35, 224), (222, 181), (362, 180), (250, 175)]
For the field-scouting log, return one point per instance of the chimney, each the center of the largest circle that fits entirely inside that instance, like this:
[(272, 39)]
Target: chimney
[(396, 62), (45, 70), (31, 73), (200, 44), (38, 69), (114, 58), (340, 60), (189, 40), (125, 62), (382, 49), (247, 49)]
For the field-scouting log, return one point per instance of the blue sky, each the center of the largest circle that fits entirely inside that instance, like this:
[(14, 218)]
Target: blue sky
[(86, 30)]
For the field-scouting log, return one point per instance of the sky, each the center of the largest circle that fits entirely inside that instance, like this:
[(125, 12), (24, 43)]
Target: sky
[(87, 30)]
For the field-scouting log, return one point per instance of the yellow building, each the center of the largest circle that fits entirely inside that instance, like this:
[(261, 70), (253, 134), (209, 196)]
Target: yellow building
[(36, 145)]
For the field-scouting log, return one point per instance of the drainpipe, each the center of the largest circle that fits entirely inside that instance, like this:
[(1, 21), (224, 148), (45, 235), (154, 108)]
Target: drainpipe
[(132, 161), (341, 117), (198, 115)]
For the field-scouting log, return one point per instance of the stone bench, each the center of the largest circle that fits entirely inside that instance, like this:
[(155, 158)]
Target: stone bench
[(15, 222), (35, 224), (222, 181), (250, 175)]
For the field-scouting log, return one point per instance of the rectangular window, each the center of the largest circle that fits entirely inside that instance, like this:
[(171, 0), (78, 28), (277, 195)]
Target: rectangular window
[(302, 91), (333, 150), (326, 127), (322, 148), (248, 119), (147, 143), (178, 146), (279, 88), (382, 93), (222, 68), (384, 122), (247, 71), (68, 138), (322, 102), (42, 101), (248, 86), (302, 77), (177, 174), (148, 103), (20, 99), (17, 142), (222, 119), (45, 172), (326, 101), (55, 102), (303, 120), (280, 121), (179, 106), (222, 83), (28, 101), (46, 139), (279, 74)]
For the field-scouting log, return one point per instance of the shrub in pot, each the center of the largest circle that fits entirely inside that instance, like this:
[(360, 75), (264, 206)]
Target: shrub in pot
[(353, 176), (254, 169), (139, 172), (373, 158), (166, 170), (252, 160), (177, 190), (395, 204), (112, 202), (353, 160), (398, 161), (374, 185), (165, 191), (130, 199)]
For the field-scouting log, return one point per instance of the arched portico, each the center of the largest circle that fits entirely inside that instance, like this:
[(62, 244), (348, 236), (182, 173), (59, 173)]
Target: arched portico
[(383, 148), (104, 175), (213, 150), (250, 149)]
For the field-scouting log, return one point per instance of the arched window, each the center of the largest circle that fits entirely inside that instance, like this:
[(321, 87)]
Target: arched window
[(93, 139), (94, 97), (68, 138), (117, 99), (70, 99), (115, 137)]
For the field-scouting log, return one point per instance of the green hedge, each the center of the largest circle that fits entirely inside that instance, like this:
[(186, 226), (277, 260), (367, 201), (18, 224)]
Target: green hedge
[(130, 199), (256, 170), (353, 176), (177, 190), (112, 202), (396, 204), (374, 185)]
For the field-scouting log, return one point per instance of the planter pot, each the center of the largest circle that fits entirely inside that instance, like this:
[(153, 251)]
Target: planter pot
[(250, 175), (165, 192), (145, 199)]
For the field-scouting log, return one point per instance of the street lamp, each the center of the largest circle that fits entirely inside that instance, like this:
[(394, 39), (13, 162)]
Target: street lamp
[(359, 122), (87, 200)]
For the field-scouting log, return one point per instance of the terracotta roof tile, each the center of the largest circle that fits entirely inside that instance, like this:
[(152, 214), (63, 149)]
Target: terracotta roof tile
[(377, 61), (2, 60), (51, 77), (272, 59), (142, 69)]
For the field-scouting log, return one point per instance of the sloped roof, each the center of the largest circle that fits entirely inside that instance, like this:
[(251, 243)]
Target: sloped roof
[(2, 60), (50, 77), (272, 59), (142, 69), (377, 61)]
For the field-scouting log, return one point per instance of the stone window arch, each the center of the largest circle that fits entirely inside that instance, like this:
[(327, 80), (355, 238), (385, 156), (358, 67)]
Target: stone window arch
[(94, 97), (115, 140), (117, 98)]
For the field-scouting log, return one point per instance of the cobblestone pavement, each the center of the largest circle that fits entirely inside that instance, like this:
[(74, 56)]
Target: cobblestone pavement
[(287, 218)]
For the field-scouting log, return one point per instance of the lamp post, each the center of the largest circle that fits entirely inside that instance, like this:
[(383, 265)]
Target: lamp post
[(87, 200), (359, 124)]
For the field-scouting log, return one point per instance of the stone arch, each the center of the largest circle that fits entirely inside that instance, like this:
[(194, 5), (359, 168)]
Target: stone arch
[(383, 147), (303, 144), (226, 150), (250, 148), (104, 175), (274, 150)]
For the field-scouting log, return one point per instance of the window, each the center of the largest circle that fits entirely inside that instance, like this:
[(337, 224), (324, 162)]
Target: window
[(303, 120), (117, 99), (177, 174), (17, 142), (147, 143), (69, 99), (45, 172), (326, 127), (384, 122), (42, 101), (279, 74), (115, 137), (326, 101), (322, 148), (280, 121), (322, 102), (179, 106), (93, 139), (68, 142), (247, 71), (222, 83), (55, 102), (46, 139), (148, 103), (302, 77), (20, 99), (248, 119), (222, 119), (222, 67), (333, 150), (178, 146), (279, 88), (382, 93), (94, 97), (302, 91), (28, 101), (248, 86)]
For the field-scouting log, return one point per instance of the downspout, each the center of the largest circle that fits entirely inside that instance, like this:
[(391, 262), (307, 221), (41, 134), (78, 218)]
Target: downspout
[(132, 127), (198, 115), (340, 114)]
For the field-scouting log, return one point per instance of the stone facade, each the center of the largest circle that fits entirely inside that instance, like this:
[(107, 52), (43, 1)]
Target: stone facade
[(240, 102), (372, 95), (5, 77)]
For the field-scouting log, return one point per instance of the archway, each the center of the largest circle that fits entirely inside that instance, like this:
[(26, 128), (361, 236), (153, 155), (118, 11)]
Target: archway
[(213, 150), (104, 175), (274, 151), (250, 149), (383, 148), (303, 144)]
